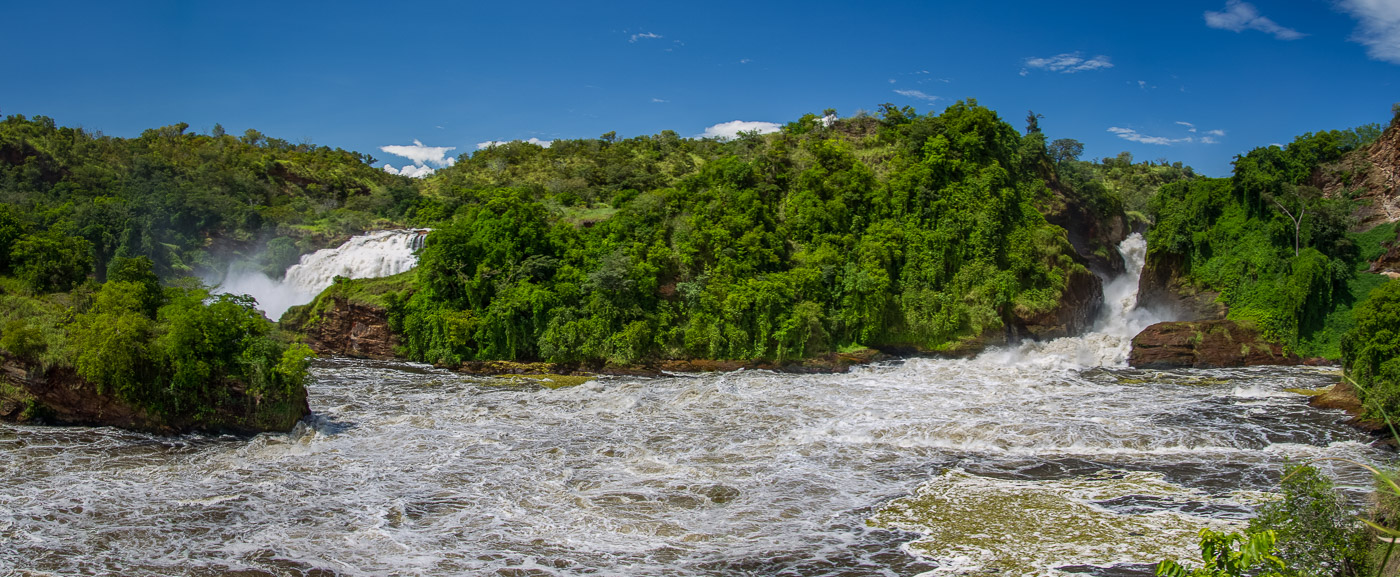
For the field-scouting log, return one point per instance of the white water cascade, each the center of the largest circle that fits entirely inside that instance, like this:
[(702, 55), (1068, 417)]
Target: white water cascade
[(1108, 344), (373, 255)]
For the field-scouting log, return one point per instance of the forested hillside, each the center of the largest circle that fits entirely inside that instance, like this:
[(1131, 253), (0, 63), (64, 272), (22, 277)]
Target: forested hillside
[(907, 231)]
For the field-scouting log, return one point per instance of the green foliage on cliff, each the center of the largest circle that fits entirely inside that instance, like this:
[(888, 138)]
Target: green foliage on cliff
[(909, 230), (1371, 351), (1276, 249)]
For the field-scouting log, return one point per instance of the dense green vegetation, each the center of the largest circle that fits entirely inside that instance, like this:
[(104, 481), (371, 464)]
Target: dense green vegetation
[(189, 202), (1271, 244), (1371, 351), (912, 230), (174, 351)]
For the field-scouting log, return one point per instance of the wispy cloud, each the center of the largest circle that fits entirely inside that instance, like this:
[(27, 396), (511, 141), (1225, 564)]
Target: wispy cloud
[(745, 60), (422, 155), (1208, 137), (644, 36), (1240, 16), (919, 94), (659, 100), (1135, 136), (535, 141), (1067, 63), (731, 129), (1378, 27)]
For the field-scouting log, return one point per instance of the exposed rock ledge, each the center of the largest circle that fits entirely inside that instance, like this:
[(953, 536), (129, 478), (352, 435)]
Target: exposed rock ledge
[(57, 395), (1204, 344)]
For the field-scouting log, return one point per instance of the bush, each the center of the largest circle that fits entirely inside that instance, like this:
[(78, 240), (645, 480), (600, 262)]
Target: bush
[(1317, 532)]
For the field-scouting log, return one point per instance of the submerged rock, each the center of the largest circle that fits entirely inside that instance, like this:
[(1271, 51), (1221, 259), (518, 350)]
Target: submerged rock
[(1203, 345), (57, 395)]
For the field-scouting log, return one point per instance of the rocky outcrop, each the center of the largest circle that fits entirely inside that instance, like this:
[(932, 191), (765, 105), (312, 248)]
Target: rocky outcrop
[(1204, 344), (350, 329), (57, 395), (1370, 175), (1094, 239), (1075, 313), (1162, 287), (1389, 262)]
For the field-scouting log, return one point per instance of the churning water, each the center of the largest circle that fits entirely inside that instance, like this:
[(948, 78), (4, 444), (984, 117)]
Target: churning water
[(892, 469), (372, 255)]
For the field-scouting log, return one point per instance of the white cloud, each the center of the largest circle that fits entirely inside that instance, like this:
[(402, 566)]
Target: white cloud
[(919, 94), (731, 129), (1216, 132), (1208, 140), (423, 155), (1378, 29), (1067, 63), (534, 141), (410, 171), (745, 61), (644, 36), (1189, 127), (1135, 136), (659, 100), (1240, 16)]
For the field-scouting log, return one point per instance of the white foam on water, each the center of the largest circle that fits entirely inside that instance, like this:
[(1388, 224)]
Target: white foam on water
[(410, 470)]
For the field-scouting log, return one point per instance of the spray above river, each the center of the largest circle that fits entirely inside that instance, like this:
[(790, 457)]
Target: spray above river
[(372, 255), (1023, 460)]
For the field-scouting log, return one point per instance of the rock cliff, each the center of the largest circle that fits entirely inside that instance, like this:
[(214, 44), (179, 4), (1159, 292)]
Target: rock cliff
[(349, 328)]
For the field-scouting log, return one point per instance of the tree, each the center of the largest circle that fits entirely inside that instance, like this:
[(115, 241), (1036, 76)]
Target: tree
[(1066, 149), (1033, 122), (1300, 198), (52, 261)]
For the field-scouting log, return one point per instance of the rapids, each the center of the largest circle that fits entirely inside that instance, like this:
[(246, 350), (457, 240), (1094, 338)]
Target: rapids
[(1021, 460)]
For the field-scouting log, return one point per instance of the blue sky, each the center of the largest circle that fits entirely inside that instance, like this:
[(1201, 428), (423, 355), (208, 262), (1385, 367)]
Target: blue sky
[(359, 75)]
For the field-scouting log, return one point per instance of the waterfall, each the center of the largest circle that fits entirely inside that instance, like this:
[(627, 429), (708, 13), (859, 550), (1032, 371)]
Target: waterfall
[(372, 255), (1110, 341)]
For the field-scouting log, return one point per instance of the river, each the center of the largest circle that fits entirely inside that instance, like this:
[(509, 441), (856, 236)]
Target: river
[(1022, 460)]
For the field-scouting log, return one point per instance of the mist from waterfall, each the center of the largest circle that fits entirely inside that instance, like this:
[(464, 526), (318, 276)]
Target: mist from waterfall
[(372, 255)]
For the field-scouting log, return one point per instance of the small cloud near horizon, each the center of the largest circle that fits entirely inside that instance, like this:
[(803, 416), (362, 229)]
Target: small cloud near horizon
[(1240, 16), (1378, 27), (644, 36), (730, 130), (534, 141), (422, 156), (919, 94), (659, 100), (1067, 63)]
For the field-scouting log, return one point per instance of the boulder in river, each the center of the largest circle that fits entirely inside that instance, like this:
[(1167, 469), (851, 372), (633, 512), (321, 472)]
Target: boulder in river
[(1203, 345)]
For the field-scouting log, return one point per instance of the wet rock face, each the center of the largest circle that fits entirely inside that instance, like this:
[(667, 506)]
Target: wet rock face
[(1161, 287), (1204, 344), (352, 330), (1075, 314), (57, 395)]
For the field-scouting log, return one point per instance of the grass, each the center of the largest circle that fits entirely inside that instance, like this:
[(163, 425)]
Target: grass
[(584, 216)]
